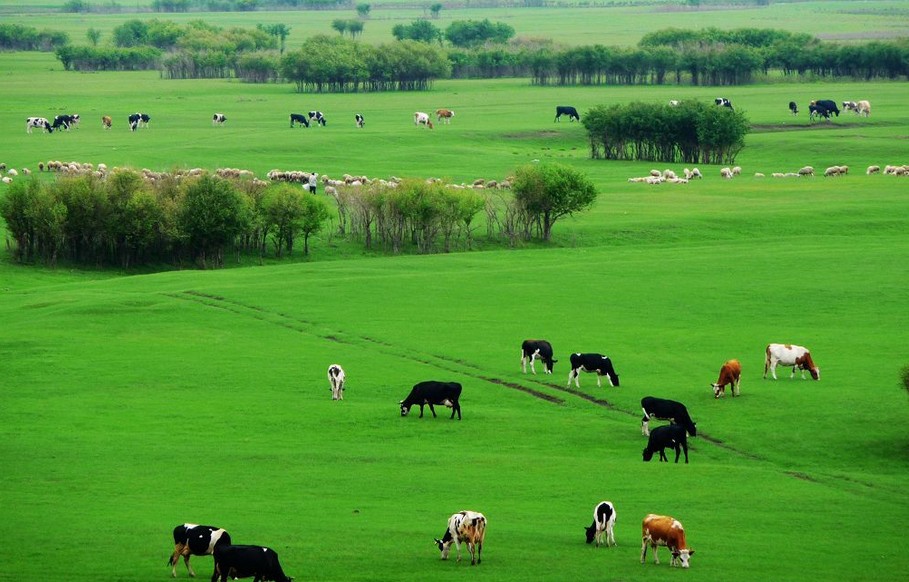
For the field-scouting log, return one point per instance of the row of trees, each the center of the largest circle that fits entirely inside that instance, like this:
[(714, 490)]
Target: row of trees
[(460, 33), (126, 220), (17, 37), (91, 58), (691, 132)]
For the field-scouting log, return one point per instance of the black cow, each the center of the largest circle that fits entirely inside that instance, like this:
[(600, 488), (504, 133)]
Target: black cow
[(818, 111), (533, 349), (65, 121), (672, 436), (592, 363), (829, 105), (247, 561), (674, 412), (568, 110), (793, 108), (723, 102), (360, 120), (432, 393), (298, 118), (137, 120), (317, 115), (195, 540)]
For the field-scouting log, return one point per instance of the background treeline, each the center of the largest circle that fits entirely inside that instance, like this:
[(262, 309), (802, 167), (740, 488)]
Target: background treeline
[(16, 37), (691, 132)]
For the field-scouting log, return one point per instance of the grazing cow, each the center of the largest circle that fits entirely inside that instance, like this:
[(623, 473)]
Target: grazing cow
[(603, 524), (137, 120), (793, 108), (730, 373), (420, 118), (218, 119), (65, 121), (336, 380), (432, 393), (533, 349), (670, 435), (195, 540), (592, 363), (789, 355), (40, 122), (818, 111), (862, 108), (468, 527), (723, 102), (248, 561), (318, 117), (661, 409), (568, 110), (444, 115), (662, 530), (360, 120), (106, 121), (299, 118), (827, 104), (674, 102)]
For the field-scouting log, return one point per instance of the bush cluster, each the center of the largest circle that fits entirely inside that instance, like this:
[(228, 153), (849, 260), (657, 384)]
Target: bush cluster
[(16, 37)]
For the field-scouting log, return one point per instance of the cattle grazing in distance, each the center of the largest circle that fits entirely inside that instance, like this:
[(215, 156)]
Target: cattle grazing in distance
[(827, 104), (793, 108), (730, 373), (218, 119), (603, 524), (432, 392), (420, 118), (568, 110), (106, 121), (444, 115), (723, 102), (467, 527), (65, 121), (592, 363), (318, 118), (361, 121), (662, 409), (298, 118), (336, 381), (232, 562), (671, 436), (862, 108), (818, 111), (533, 349), (39, 122), (674, 102), (137, 120), (662, 530), (195, 540), (791, 355)]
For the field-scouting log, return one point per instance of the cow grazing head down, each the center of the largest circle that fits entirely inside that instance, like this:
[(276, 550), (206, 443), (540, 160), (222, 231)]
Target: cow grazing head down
[(432, 393), (533, 349), (601, 529), (464, 527), (796, 357), (662, 530)]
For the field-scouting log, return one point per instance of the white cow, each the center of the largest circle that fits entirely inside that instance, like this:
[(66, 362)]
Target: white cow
[(40, 122), (420, 118), (797, 357), (468, 527), (336, 379)]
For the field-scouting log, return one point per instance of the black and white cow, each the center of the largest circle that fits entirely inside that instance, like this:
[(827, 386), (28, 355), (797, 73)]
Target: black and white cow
[(468, 527), (195, 540), (246, 562), (661, 409), (793, 108), (592, 363), (671, 436), (723, 102), (65, 121), (299, 118), (533, 349), (361, 121), (432, 392), (218, 119), (828, 104), (568, 110), (318, 117), (137, 120), (818, 111), (336, 380), (603, 524), (39, 122)]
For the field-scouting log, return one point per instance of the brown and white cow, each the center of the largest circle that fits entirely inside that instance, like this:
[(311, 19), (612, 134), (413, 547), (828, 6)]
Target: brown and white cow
[(662, 530), (420, 118), (791, 355), (468, 527), (106, 121), (730, 373), (444, 115)]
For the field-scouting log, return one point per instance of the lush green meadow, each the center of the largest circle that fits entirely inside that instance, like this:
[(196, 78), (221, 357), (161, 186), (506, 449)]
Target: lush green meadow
[(131, 402)]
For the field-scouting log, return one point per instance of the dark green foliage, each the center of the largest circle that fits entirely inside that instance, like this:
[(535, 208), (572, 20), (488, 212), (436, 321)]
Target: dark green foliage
[(471, 33), (692, 132), (93, 58), (212, 215), (27, 38), (904, 377), (546, 192), (421, 30), (288, 211)]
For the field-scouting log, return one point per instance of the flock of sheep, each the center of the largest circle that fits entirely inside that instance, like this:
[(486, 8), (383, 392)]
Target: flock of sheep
[(670, 177)]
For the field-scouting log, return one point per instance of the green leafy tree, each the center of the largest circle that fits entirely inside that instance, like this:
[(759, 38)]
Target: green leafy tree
[(131, 33), (472, 33), (355, 28), (213, 213), (363, 10), (315, 213), (93, 35), (419, 30), (436, 9), (340, 25), (548, 192)]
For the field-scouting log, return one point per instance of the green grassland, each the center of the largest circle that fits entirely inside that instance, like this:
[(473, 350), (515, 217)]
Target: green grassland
[(131, 402)]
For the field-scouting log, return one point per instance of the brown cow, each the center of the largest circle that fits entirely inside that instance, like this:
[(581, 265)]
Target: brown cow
[(444, 115), (662, 530), (730, 373)]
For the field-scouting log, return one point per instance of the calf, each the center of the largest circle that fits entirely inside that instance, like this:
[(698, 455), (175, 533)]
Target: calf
[(318, 117), (218, 119), (723, 102), (195, 540), (432, 393), (336, 380), (40, 122), (730, 373), (298, 118), (662, 530), (793, 108), (568, 110), (468, 527), (603, 524), (592, 363), (661, 409), (533, 349), (360, 120), (671, 436), (420, 118), (106, 121), (247, 561), (791, 355), (444, 115)]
